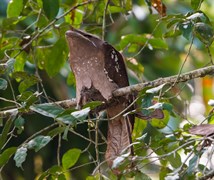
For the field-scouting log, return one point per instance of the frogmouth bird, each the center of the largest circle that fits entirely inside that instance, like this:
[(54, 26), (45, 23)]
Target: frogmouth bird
[(99, 69)]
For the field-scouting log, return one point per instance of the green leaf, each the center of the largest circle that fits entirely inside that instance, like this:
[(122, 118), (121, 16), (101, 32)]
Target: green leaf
[(20, 75), (3, 84), (5, 156), (51, 8), (196, 4), (204, 32), (20, 156), (54, 170), (90, 178), (56, 131), (49, 110), (186, 28), (163, 172), (19, 123), (55, 57), (96, 177), (67, 119), (38, 142), (198, 16), (70, 158), (20, 61), (93, 104), (78, 17), (141, 40), (65, 134), (128, 5), (168, 107), (155, 89), (24, 96), (14, 8), (140, 176), (161, 123), (172, 33), (6, 129), (28, 82), (81, 114), (116, 9), (70, 79), (10, 65), (146, 102), (192, 164), (175, 160)]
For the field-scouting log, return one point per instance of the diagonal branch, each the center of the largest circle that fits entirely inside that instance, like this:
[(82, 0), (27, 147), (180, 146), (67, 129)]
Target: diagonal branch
[(199, 73)]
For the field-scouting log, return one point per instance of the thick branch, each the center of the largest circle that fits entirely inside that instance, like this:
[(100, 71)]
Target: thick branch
[(169, 80), (199, 73)]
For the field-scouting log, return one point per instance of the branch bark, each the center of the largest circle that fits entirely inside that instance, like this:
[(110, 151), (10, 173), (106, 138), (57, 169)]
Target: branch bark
[(171, 80)]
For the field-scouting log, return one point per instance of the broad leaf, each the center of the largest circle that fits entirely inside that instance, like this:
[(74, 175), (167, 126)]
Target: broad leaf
[(56, 131), (196, 4), (161, 123), (10, 65), (192, 164), (51, 8), (20, 156), (198, 16), (140, 176), (3, 84), (155, 89), (70, 158), (5, 156), (52, 59), (204, 32), (55, 171), (116, 9), (168, 107), (38, 142), (186, 29), (175, 160), (27, 98), (119, 160), (27, 80), (202, 129), (49, 110), (19, 123), (81, 114), (14, 8), (6, 130), (93, 104), (141, 40)]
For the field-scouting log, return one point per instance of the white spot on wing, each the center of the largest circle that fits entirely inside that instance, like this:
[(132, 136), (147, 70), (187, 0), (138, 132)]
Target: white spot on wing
[(106, 73), (115, 58)]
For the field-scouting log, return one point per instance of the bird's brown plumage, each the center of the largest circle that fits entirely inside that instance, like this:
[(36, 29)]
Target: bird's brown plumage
[(99, 69)]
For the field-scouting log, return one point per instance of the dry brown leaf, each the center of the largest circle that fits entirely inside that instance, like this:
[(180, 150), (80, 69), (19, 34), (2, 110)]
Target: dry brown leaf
[(203, 130), (159, 6)]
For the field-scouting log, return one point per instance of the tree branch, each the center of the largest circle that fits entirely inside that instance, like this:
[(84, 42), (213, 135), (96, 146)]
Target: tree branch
[(199, 73)]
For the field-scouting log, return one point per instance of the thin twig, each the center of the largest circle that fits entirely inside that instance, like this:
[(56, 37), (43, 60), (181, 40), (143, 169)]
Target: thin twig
[(58, 149), (12, 90), (96, 142), (11, 101), (52, 23), (185, 60), (104, 20)]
